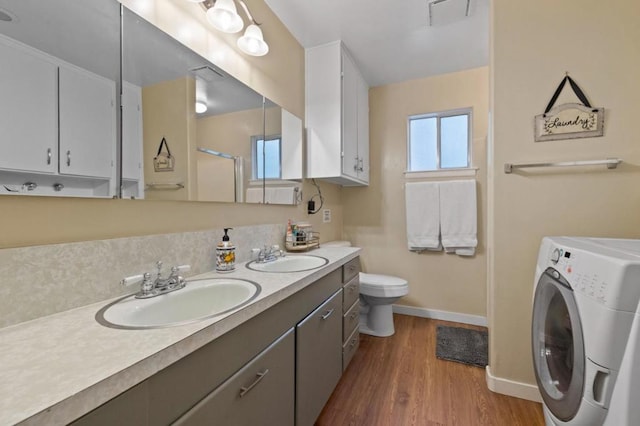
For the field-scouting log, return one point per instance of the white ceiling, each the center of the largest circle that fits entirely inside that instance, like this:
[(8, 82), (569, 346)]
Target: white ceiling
[(391, 40)]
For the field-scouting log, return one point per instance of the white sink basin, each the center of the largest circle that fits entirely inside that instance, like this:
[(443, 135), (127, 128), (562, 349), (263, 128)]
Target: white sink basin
[(295, 263), (199, 300)]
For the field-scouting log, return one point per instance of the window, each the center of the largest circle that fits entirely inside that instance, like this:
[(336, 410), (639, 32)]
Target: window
[(265, 157), (439, 141)]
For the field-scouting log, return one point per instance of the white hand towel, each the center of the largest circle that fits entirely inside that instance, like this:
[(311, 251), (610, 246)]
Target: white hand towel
[(423, 216), (458, 216), (283, 195), (254, 195)]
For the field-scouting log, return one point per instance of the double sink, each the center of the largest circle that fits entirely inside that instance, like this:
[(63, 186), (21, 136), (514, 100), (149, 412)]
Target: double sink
[(200, 299)]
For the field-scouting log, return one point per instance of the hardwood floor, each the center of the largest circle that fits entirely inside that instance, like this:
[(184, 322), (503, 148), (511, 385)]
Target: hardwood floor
[(399, 381)]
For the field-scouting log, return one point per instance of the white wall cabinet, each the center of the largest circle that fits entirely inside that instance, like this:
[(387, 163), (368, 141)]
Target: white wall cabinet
[(132, 133), (87, 123), (337, 116), (28, 111), (58, 126)]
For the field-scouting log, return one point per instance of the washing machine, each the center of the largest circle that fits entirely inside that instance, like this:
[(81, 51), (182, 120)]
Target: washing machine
[(586, 348)]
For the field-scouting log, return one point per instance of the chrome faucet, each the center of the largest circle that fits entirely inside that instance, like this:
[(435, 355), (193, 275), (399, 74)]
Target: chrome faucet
[(160, 285), (269, 254)]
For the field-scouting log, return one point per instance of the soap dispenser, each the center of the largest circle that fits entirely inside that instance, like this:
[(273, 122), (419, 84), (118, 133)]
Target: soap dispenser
[(225, 254)]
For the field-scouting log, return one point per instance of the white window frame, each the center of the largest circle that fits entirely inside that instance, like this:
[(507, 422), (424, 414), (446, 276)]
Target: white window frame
[(439, 115)]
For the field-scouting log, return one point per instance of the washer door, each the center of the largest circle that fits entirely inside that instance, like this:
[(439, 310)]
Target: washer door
[(558, 345)]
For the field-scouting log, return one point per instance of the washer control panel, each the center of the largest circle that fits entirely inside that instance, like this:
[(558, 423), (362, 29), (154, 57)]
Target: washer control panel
[(580, 271)]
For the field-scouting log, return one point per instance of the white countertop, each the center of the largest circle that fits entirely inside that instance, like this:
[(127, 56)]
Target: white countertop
[(55, 369)]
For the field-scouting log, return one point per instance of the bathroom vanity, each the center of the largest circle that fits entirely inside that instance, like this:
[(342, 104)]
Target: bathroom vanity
[(275, 361)]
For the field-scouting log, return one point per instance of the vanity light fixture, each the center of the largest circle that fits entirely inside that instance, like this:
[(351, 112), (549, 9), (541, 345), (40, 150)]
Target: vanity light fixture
[(201, 107), (223, 16)]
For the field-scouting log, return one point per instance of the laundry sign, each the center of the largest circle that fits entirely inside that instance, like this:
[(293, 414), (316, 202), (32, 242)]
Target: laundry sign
[(571, 120), (163, 161)]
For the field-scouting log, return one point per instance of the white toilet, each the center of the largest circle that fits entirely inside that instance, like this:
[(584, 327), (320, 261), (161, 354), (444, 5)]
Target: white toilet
[(377, 294)]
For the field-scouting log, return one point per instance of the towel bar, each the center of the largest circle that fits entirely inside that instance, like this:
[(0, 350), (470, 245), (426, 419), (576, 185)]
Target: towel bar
[(611, 163), (164, 185)]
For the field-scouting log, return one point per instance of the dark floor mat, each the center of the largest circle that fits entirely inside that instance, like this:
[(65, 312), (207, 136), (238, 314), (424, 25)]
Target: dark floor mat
[(462, 345)]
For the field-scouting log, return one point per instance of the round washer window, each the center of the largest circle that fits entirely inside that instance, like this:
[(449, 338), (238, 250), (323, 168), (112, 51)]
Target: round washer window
[(558, 347)]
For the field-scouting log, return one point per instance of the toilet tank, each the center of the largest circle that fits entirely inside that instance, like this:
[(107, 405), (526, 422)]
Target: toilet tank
[(337, 244)]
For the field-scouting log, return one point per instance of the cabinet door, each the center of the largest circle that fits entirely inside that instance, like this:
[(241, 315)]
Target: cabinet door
[(363, 130), (349, 117), (318, 359), (87, 123), (28, 111), (261, 393), (131, 131)]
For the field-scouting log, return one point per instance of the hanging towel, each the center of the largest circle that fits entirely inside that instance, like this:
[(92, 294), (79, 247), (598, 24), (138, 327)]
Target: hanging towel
[(458, 216), (254, 195), (423, 216), (280, 195)]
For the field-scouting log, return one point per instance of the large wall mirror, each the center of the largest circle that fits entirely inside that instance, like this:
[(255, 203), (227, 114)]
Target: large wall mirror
[(59, 80), (226, 142), (61, 85)]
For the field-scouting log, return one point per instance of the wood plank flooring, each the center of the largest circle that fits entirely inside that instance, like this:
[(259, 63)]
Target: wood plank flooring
[(399, 381)]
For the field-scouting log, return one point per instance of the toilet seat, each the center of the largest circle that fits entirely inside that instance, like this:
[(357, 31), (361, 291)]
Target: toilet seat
[(382, 285)]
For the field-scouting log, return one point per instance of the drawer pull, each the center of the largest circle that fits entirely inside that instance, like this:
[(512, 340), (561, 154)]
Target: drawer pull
[(354, 314), (353, 342), (327, 315), (260, 376), (48, 156), (352, 289), (352, 268)]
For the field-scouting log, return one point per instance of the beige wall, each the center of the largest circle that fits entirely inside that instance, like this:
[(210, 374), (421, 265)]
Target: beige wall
[(534, 43), (279, 75), (169, 120), (375, 216), (230, 133)]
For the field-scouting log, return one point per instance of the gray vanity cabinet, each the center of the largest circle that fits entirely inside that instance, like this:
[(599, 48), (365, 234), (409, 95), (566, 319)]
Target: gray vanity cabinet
[(318, 359), (261, 393), (300, 341)]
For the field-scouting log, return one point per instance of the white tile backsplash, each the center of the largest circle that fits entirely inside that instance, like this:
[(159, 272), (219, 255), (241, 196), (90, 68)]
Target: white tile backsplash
[(42, 280)]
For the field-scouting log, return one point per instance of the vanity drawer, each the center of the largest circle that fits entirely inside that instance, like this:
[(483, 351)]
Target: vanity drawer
[(350, 269), (349, 348), (260, 393), (350, 320), (350, 293)]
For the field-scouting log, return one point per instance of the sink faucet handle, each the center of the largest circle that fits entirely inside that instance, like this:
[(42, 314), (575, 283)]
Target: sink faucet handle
[(275, 250), (182, 268), (133, 279), (255, 253), (147, 284), (175, 270)]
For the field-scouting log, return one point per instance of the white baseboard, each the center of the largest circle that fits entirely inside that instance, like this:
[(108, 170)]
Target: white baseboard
[(440, 315), (511, 388)]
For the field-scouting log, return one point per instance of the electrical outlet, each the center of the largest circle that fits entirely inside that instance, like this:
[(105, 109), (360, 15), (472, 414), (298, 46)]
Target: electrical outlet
[(326, 216)]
